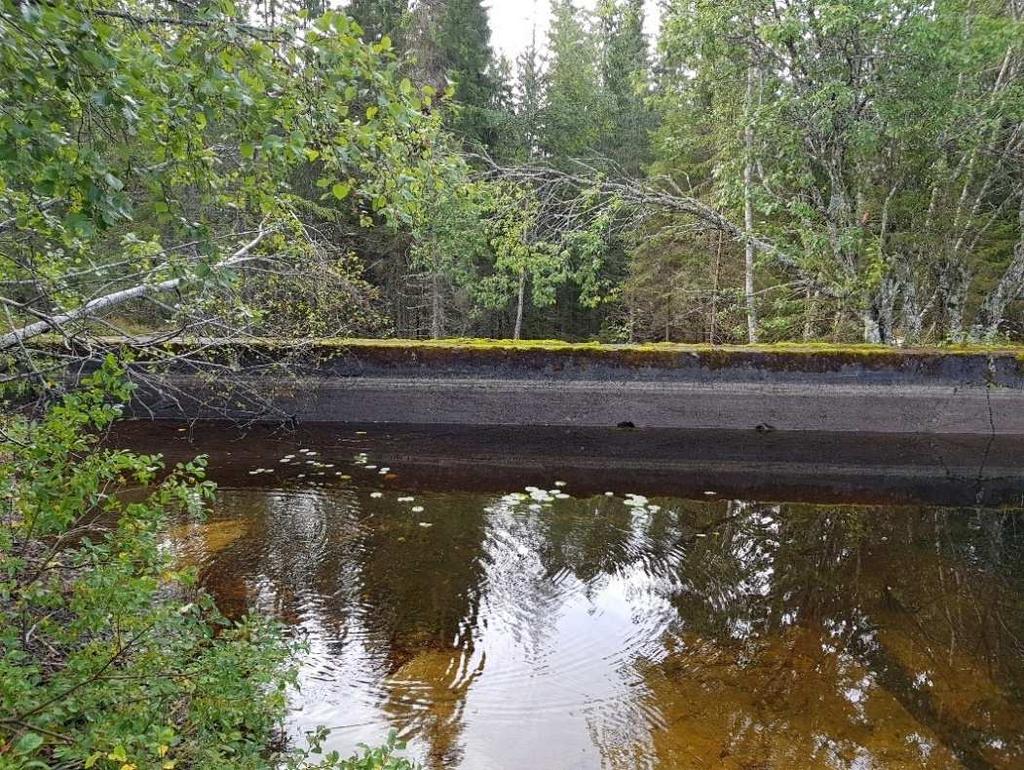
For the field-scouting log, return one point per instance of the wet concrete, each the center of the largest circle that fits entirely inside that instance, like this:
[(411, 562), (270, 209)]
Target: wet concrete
[(709, 464)]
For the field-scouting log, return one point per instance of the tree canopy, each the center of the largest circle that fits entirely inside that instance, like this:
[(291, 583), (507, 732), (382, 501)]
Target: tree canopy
[(770, 171)]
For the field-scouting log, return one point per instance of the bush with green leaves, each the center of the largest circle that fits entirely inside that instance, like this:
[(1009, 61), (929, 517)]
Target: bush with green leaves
[(111, 656)]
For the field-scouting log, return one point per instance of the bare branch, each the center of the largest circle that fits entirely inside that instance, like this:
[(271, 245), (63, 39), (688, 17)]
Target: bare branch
[(107, 301)]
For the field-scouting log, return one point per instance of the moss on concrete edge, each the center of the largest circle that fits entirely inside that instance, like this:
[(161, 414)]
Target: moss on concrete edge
[(790, 356)]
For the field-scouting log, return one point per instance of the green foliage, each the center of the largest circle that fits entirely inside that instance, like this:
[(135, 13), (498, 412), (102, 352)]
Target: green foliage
[(882, 176), (626, 75), (520, 255), (187, 133), (575, 111), (340, 303), (110, 656), (877, 143), (381, 19), (463, 42)]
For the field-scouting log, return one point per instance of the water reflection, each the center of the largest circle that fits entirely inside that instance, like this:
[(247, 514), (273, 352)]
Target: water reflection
[(535, 629)]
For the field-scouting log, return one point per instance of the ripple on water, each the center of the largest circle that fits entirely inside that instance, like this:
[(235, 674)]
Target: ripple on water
[(601, 632)]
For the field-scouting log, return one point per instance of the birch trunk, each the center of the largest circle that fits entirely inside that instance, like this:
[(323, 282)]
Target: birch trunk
[(520, 299), (748, 210), (1008, 289), (98, 305), (436, 322)]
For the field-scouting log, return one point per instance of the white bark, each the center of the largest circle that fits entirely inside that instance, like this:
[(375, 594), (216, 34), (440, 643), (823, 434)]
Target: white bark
[(436, 310), (519, 305), (748, 210), (98, 305), (1008, 289), (872, 332)]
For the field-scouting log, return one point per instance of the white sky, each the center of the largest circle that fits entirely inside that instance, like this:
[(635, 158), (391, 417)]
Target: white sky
[(512, 23)]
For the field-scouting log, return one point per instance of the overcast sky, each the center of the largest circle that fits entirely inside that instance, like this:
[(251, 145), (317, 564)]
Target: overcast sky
[(513, 21)]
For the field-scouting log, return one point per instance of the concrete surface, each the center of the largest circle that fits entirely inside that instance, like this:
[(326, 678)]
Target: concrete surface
[(978, 392)]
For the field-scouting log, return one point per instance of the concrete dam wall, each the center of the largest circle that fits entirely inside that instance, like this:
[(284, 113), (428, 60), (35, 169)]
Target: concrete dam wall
[(770, 388)]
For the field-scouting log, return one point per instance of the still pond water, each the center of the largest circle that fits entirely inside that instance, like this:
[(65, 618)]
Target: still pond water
[(559, 606)]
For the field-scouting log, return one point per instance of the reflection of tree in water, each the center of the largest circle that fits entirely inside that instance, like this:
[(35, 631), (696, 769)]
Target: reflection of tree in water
[(806, 636), (594, 538), (340, 564), (421, 590), (286, 557), (844, 636)]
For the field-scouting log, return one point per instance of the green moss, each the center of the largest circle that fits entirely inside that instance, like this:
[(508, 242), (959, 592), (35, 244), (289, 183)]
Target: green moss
[(271, 343), (477, 343), (791, 356)]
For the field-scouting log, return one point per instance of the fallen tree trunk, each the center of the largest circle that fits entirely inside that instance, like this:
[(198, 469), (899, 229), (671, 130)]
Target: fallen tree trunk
[(98, 305)]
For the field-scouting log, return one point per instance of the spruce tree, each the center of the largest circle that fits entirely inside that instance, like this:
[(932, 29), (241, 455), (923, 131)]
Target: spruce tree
[(529, 101), (574, 114), (626, 75), (451, 47), (464, 45), (380, 18)]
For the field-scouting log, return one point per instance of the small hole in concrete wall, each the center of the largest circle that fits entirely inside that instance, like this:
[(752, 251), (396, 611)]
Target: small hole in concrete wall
[(625, 424), (764, 428)]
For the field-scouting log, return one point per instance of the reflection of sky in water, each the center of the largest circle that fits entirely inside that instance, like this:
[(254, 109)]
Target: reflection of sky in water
[(544, 632), (549, 666)]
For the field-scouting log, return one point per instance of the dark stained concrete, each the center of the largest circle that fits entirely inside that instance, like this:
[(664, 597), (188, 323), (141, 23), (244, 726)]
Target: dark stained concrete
[(873, 390), (807, 467)]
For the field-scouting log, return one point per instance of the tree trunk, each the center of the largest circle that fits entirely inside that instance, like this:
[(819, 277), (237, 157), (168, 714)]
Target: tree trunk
[(748, 210), (956, 281), (101, 304), (714, 291), (993, 310), (520, 298), (912, 312), (810, 311), (872, 330), (436, 322)]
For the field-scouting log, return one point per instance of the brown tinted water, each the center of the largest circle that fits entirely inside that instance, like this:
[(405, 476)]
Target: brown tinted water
[(514, 615)]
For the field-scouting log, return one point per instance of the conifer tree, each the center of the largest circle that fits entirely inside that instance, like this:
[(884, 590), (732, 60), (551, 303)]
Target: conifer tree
[(451, 47), (574, 114), (464, 45), (529, 100), (380, 18), (626, 75)]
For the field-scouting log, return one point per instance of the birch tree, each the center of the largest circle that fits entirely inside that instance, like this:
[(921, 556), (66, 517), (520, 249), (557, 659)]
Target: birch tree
[(885, 151), (149, 160)]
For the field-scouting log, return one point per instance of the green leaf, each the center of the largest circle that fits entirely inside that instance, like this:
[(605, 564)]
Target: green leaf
[(28, 743), (340, 190), (79, 224)]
